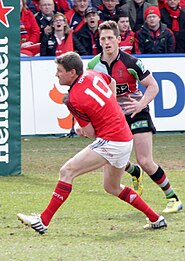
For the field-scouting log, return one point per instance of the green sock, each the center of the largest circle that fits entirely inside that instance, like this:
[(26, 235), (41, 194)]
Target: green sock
[(133, 170)]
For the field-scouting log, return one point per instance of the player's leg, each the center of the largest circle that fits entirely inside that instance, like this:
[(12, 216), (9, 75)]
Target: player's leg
[(83, 162), (136, 125), (143, 151), (112, 185), (137, 176)]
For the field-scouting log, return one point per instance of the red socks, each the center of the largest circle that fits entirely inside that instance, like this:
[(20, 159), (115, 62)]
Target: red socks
[(132, 198), (63, 190), (60, 194)]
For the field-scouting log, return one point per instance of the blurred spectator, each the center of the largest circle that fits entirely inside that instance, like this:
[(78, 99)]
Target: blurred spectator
[(161, 4), (153, 2), (31, 6), (126, 34), (108, 9), (76, 16), (62, 6), (182, 5), (173, 17), (180, 48), (44, 16), (96, 3), (154, 36), (29, 31), (70, 3), (88, 36), (135, 9), (59, 40), (59, 5), (36, 4)]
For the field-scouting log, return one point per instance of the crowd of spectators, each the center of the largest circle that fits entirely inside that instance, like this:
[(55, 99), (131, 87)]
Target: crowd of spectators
[(52, 27), (154, 36)]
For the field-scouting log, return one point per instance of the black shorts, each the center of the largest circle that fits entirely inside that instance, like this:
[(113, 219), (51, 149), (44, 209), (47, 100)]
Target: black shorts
[(141, 122)]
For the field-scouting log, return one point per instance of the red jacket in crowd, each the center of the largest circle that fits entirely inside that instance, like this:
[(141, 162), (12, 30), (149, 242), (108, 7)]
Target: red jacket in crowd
[(29, 28), (127, 41)]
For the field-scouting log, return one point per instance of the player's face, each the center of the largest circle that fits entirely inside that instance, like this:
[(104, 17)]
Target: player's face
[(65, 78), (109, 42)]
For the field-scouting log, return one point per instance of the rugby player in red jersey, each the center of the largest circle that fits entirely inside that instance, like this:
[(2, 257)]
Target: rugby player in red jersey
[(92, 102)]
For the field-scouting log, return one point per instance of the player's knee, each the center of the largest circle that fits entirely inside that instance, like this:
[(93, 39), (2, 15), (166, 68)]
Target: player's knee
[(145, 163), (66, 173)]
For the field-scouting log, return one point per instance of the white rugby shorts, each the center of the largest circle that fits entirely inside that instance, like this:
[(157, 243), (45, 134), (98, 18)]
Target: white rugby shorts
[(116, 153)]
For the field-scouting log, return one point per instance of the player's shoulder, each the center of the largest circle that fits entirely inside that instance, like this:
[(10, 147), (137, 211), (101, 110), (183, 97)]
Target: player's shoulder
[(94, 61), (124, 56), (90, 72), (127, 59), (133, 63)]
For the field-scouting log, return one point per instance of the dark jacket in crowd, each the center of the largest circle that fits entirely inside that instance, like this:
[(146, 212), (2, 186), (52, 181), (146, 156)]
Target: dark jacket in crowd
[(147, 41), (48, 45), (180, 46), (42, 22), (105, 14), (166, 18), (31, 6), (136, 14), (83, 42)]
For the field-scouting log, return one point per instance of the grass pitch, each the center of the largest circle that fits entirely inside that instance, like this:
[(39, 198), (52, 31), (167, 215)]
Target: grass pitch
[(91, 225)]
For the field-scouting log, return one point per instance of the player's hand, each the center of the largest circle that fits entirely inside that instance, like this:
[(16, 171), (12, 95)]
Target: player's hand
[(132, 107), (79, 131)]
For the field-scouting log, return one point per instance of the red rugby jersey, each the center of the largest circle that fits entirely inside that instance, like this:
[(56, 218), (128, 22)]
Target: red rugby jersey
[(91, 100)]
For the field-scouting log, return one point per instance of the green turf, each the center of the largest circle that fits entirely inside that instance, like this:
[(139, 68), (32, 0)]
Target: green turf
[(91, 225)]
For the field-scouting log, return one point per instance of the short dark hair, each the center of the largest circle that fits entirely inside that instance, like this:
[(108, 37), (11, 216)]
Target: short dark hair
[(70, 60), (109, 25), (120, 14)]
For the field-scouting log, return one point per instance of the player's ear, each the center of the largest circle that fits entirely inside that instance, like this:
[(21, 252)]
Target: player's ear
[(73, 72), (119, 39)]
